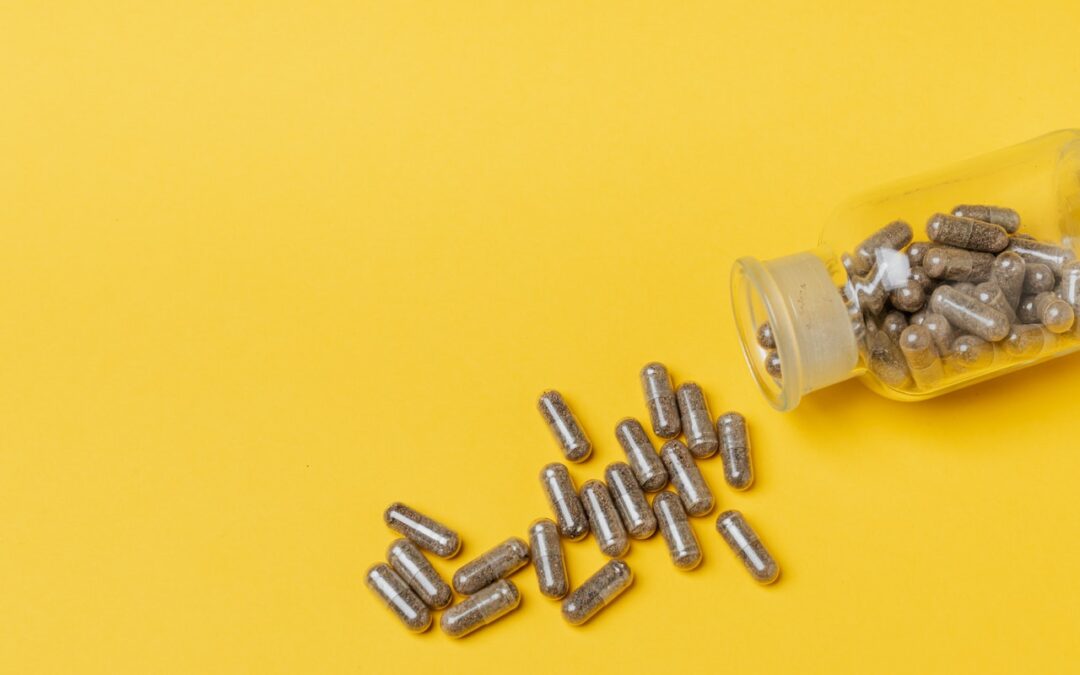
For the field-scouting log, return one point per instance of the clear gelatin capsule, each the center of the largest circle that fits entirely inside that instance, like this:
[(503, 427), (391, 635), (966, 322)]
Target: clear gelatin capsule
[(392, 590), (893, 324), (604, 521), (425, 532), (1038, 278), (630, 501), (971, 353), (957, 264), (476, 611), (998, 215), (893, 237), (562, 495), (409, 562), (916, 251), (1069, 288), (1009, 271), (885, 360), (598, 591), (747, 547), (682, 543), (909, 297), (765, 336), (941, 330), (686, 478), (660, 400), (772, 365), (990, 293), (494, 564), (735, 450), (1025, 311), (548, 559), (921, 355), (974, 235), (969, 315), (1054, 313), (1035, 251), (697, 424), (564, 426), (641, 455), (1027, 340)]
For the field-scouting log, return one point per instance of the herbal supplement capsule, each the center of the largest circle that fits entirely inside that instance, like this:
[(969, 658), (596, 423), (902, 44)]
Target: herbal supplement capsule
[(564, 426), (598, 591), (765, 337), (971, 353), (486, 606), (1069, 288), (494, 564), (916, 251), (630, 501), (998, 215), (1009, 271), (735, 450), (686, 478), (919, 275), (1026, 340), (894, 323), (425, 532), (918, 317), (1054, 313), (965, 287), (604, 519), (696, 422), (957, 264), (411, 565), (974, 235), (563, 497), (894, 236), (922, 356), (1038, 278), (398, 597), (660, 399), (885, 359), (548, 559), (910, 297), (990, 293), (1034, 251), (682, 543), (1026, 312), (745, 543), (968, 314), (941, 330), (641, 455), (869, 292), (772, 364)]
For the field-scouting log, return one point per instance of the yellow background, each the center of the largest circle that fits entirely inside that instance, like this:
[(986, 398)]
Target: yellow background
[(267, 268)]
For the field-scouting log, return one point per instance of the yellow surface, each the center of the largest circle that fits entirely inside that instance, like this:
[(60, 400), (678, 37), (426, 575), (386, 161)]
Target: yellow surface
[(266, 269)]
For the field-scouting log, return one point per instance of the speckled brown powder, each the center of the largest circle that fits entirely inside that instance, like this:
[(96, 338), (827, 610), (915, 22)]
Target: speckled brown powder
[(409, 562), (735, 450), (697, 423), (747, 547), (396, 595), (660, 400), (548, 559), (481, 609), (598, 591), (772, 364), (1009, 271), (941, 330), (1033, 251), (604, 521), (894, 236), (682, 543), (916, 251), (990, 293), (494, 564), (1038, 278), (630, 501), (425, 532), (564, 426), (921, 355), (998, 215), (968, 314), (563, 497), (956, 264), (765, 337), (909, 297), (641, 455), (1054, 313), (686, 478), (967, 233), (885, 360), (894, 323)]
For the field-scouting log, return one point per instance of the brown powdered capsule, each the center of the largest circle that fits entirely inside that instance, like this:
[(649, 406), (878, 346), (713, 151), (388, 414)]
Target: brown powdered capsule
[(697, 425), (745, 543), (1027, 340), (562, 495), (918, 317), (1069, 288), (765, 336), (686, 478), (941, 330), (735, 450), (998, 215), (598, 591), (990, 293), (922, 356), (547, 558), (660, 400), (1054, 313), (917, 251), (885, 360), (894, 236), (392, 590), (1025, 311), (564, 426), (630, 501), (641, 455), (1033, 251), (1009, 271), (682, 543), (894, 323), (971, 353), (965, 287), (910, 297), (494, 564), (974, 235), (604, 520), (919, 276), (1038, 278), (411, 565), (425, 532), (481, 609), (957, 264), (970, 315), (868, 291), (772, 364)]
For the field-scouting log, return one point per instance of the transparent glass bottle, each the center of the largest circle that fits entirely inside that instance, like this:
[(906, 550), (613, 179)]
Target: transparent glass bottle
[(828, 309)]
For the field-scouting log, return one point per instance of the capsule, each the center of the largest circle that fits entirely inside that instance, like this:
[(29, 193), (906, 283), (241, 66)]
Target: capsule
[(398, 597), (772, 364), (497, 563), (630, 501), (958, 264), (696, 421), (406, 559), (974, 235), (990, 293), (485, 607), (686, 478), (641, 455), (548, 559), (1038, 278), (885, 360), (894, 236), (918, 348), (682, 543), (765, 337), (423, 531), (997, 215), (910, 297), (917, 251), (971, 353), (968, 314), (1034, 251), (893, 323), (564, 426), (919, 275), (598, 591), (1054, 313), (745, 543), (1009, 271), (660, 399), (1069, 288), (869, 293), (1027, 340), (1026, 312), (941, 330), (735, 450), (918, 317), (604, 519), (565, 504)]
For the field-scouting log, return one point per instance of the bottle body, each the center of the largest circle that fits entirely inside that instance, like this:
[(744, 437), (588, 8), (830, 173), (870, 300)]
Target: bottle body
[(927, 285)]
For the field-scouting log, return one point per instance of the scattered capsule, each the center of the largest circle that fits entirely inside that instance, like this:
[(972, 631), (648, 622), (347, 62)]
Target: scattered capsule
[(917, 251), (998, 215), (497, 563), (765, 336), (745, 543), (974, 235), (1009, 271), (641, 455), (411, 565), (885, 360), (682, 543), (423, 531), (735, 450), (696, 421), (1034, 251), (894, 236), (1069, 288), (479, 610), (660, 399), (564, 426), (565, 504), (548, 559), (941, 330), (957, 264), (910, 297), (990, 293), (971, 353), (598, 591), (686, 478), (918, 348), (604, 519), (968, 314), (1054, 313), (1027, 340), (630, 501), (398, 597), (772, 364), (1026, 312)]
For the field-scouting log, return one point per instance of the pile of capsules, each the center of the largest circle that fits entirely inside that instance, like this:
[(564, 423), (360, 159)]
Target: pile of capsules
[(947, 305), (615, 510)]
